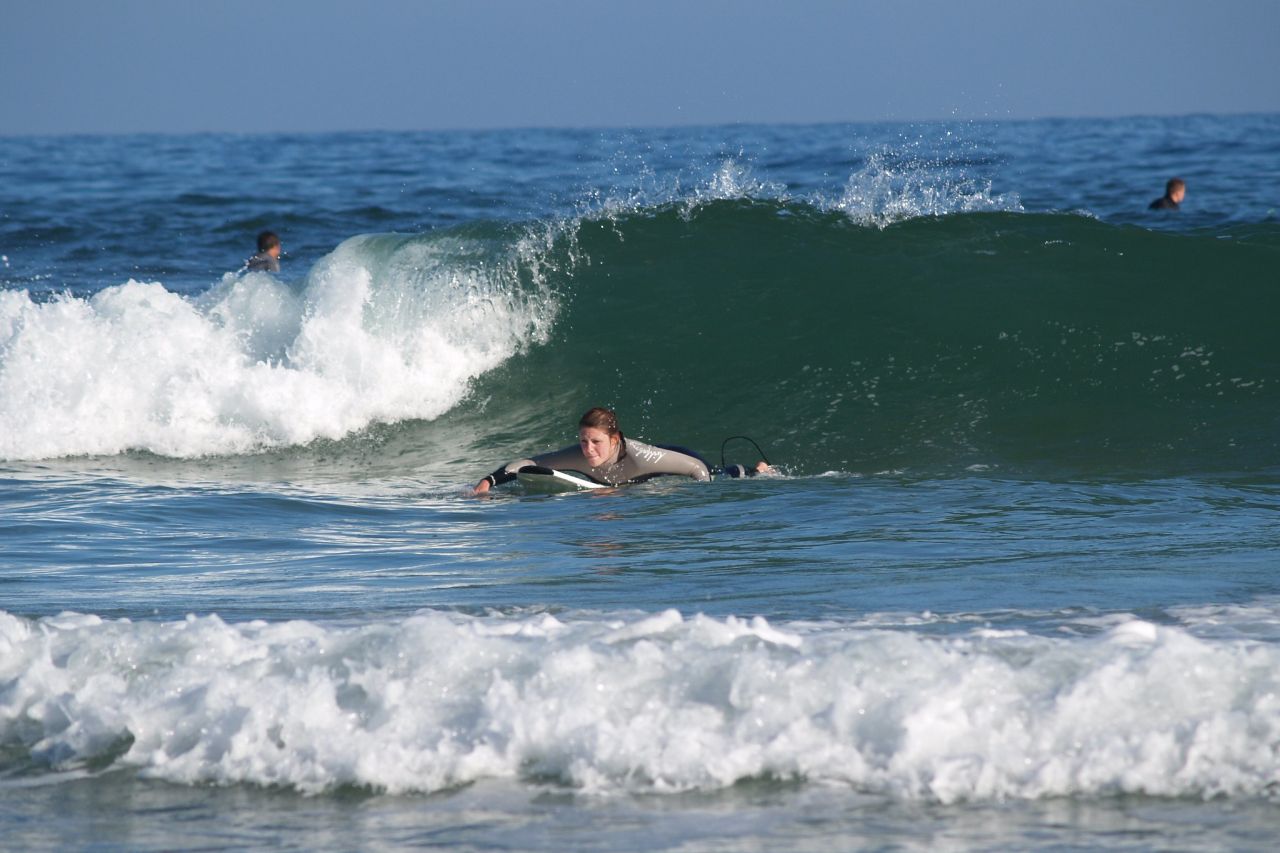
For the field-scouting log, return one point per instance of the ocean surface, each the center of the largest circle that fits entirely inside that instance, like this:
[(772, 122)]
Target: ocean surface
[(1016, 583)]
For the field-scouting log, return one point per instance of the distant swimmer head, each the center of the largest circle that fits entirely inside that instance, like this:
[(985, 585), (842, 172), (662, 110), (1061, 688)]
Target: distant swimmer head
[(1175, 190), (599, 436), (269, 244)]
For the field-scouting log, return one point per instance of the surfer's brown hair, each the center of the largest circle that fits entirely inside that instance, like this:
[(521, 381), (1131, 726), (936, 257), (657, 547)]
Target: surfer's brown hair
[(603, 419)]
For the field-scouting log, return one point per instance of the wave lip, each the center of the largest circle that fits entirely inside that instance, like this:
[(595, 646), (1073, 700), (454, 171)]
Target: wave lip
[(657, 703)]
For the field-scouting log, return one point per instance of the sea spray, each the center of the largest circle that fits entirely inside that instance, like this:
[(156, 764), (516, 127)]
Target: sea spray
[(882, 192)]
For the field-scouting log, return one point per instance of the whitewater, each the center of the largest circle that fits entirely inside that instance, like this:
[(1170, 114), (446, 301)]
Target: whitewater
[(1014, 585), (251, 364), (658, 703)]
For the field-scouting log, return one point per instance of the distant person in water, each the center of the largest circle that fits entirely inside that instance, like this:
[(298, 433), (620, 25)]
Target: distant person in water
[(1174, 192), (268, 257), (605, 455)]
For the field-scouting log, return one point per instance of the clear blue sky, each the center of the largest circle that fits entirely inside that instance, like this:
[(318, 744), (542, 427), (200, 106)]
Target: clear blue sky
[(69, 66)]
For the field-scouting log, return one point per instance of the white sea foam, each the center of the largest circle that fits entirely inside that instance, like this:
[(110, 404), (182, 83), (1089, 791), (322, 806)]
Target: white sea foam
[(656, 703), (383, 329)]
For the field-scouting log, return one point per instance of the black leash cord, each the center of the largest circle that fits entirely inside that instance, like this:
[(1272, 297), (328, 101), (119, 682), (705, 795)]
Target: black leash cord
[(725, 444)]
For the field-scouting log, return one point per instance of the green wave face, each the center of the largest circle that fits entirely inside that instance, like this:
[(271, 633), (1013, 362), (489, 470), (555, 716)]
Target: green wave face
[(1027, 343)]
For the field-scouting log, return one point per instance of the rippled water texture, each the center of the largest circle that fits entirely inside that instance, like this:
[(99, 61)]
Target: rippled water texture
[(1014, 585)]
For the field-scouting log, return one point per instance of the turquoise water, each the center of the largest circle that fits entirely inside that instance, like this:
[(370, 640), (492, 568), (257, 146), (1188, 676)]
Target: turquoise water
[(1014, 586)]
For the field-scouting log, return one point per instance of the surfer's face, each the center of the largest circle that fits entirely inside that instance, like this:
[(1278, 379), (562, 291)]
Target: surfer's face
[(597, 445)]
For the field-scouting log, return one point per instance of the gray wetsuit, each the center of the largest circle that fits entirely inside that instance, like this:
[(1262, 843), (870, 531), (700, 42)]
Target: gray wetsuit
[(262, 262), (636, 462)]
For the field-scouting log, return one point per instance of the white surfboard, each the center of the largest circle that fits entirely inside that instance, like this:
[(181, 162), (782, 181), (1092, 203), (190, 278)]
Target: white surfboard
[(535, 478)]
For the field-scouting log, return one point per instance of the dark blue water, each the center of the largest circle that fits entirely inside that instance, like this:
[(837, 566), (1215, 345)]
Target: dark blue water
[(1015, 585)]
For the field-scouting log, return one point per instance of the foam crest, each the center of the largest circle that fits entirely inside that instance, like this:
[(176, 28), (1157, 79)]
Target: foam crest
[(384, 328), (882, 193), (644, 703)]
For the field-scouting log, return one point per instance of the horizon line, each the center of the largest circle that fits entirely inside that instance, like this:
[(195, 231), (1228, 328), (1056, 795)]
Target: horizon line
[(590, 128)]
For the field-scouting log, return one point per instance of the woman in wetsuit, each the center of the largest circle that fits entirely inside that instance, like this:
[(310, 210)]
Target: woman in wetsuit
[(605, 455)]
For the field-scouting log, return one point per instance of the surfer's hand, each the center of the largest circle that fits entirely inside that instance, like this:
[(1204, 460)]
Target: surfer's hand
[(763, 467), (481, 487)]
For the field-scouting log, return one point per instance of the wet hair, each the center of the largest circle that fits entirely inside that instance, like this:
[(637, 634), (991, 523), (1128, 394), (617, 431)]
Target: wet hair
[(1174, 184), (601, 418), (267, 240)]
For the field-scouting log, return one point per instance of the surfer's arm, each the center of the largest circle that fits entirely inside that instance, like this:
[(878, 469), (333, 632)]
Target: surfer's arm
[(505, 474), (692, 467), (670, 460), (569, 457)]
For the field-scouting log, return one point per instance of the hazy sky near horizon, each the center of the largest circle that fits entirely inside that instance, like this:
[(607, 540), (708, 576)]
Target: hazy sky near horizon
[(80, 66)]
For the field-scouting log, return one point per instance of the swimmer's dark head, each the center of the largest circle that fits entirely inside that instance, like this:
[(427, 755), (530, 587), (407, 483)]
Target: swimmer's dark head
[(1175, 185), (267, 240)]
